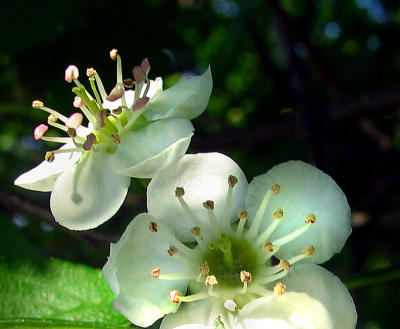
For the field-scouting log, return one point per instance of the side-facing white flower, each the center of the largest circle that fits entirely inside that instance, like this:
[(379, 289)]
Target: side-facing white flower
[(242, 274), (130, 134)]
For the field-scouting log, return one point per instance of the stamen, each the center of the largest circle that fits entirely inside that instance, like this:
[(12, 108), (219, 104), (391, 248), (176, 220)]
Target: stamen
[(291, 236), (100, 86), (268, 246), (156, 273), (63, 140), (195, 232), (192, 298), (128, 83), (172, 250), (52, 117), (78, 102), (242, 215), (145, 65), (179, 192), (272, 278), (74, 121), (307, 252), (226, 221), (71, 73), (140, 103), (138, 74), (36, 104), (209, 205), (116, 93), (211, 280), (174, 296), (90, 139), (95, 92), (40, 131), (277, 214), (246, 278), (116, 139), (230, 305), (113, 54), (279, 289), (57, 125), (259, 290), (276, 189), (169, 236), (259, 215), (284, 264), (49, 156), (153, 227), (310, 219)]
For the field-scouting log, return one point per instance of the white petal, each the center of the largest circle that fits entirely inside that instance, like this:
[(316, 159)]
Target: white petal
[(324, 286), (187, 99), (304, 190), (292, 310), (89, 193), (155, 147), (203, 176), (198, 315), (43, 176), (140, 297)]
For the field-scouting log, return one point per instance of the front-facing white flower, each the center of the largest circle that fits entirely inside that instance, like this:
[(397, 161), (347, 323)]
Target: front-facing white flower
[(129, 134), (257, 272)]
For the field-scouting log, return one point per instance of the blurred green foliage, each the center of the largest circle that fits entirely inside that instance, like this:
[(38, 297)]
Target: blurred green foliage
[(310, 80)]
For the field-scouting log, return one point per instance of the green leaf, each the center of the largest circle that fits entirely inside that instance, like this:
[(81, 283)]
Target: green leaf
[(55, 294)]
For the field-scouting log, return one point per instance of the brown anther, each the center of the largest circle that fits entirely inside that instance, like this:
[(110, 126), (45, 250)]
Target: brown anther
[(153, 227), (128, 83), (278, 213), (155, 273), (209, 205), (310, 219), (279, 289), (107, 112), (211, 280), (245, 276), (117, 110), (243, 214), (268, 246), (276, 189), (91, 72), (179, 191), (116, 138), (90, 139), (308, 251), (173, 296), (49, 156), (52, 117), (37, 104), (284, 264), (230, 305), (71, 132), (204, 268), (113, 54), (172, 250), (195, 231), (232, 180)]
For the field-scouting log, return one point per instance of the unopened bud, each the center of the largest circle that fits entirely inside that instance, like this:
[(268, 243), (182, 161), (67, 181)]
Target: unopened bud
[(71, 73)]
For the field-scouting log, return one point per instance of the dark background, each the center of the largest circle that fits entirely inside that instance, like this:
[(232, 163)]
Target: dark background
[(294, 79)]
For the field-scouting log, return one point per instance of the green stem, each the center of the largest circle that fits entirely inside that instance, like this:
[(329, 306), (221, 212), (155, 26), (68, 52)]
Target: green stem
[(375, 277)]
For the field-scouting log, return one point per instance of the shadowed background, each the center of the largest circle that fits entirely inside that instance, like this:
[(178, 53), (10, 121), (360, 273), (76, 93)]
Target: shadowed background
[(317, 81)]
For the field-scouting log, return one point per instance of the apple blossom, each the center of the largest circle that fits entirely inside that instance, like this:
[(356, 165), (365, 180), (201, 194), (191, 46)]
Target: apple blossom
[(130, 133), (215, 252)]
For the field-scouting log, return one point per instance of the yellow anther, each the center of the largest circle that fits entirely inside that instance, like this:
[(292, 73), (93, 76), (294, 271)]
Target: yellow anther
[(209, 205), (243, 214), (71, 132), (179, 191), (49, 156), (276, 189), (310, 219), (284, 264), (232, 180), (195, 231), (37, 104), (155, 273), (204, 268), (52, 117), (172, 250), (278, 213), (118, 110), (90, 72), (268, 246), (245, 276), (308, 251), (279, 289), (211, 280), (113, 54)]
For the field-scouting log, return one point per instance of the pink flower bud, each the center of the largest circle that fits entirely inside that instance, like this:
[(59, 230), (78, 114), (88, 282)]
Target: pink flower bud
[(39, 131), (75, 120), (78, 102), (140, 103), (71, 73)]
